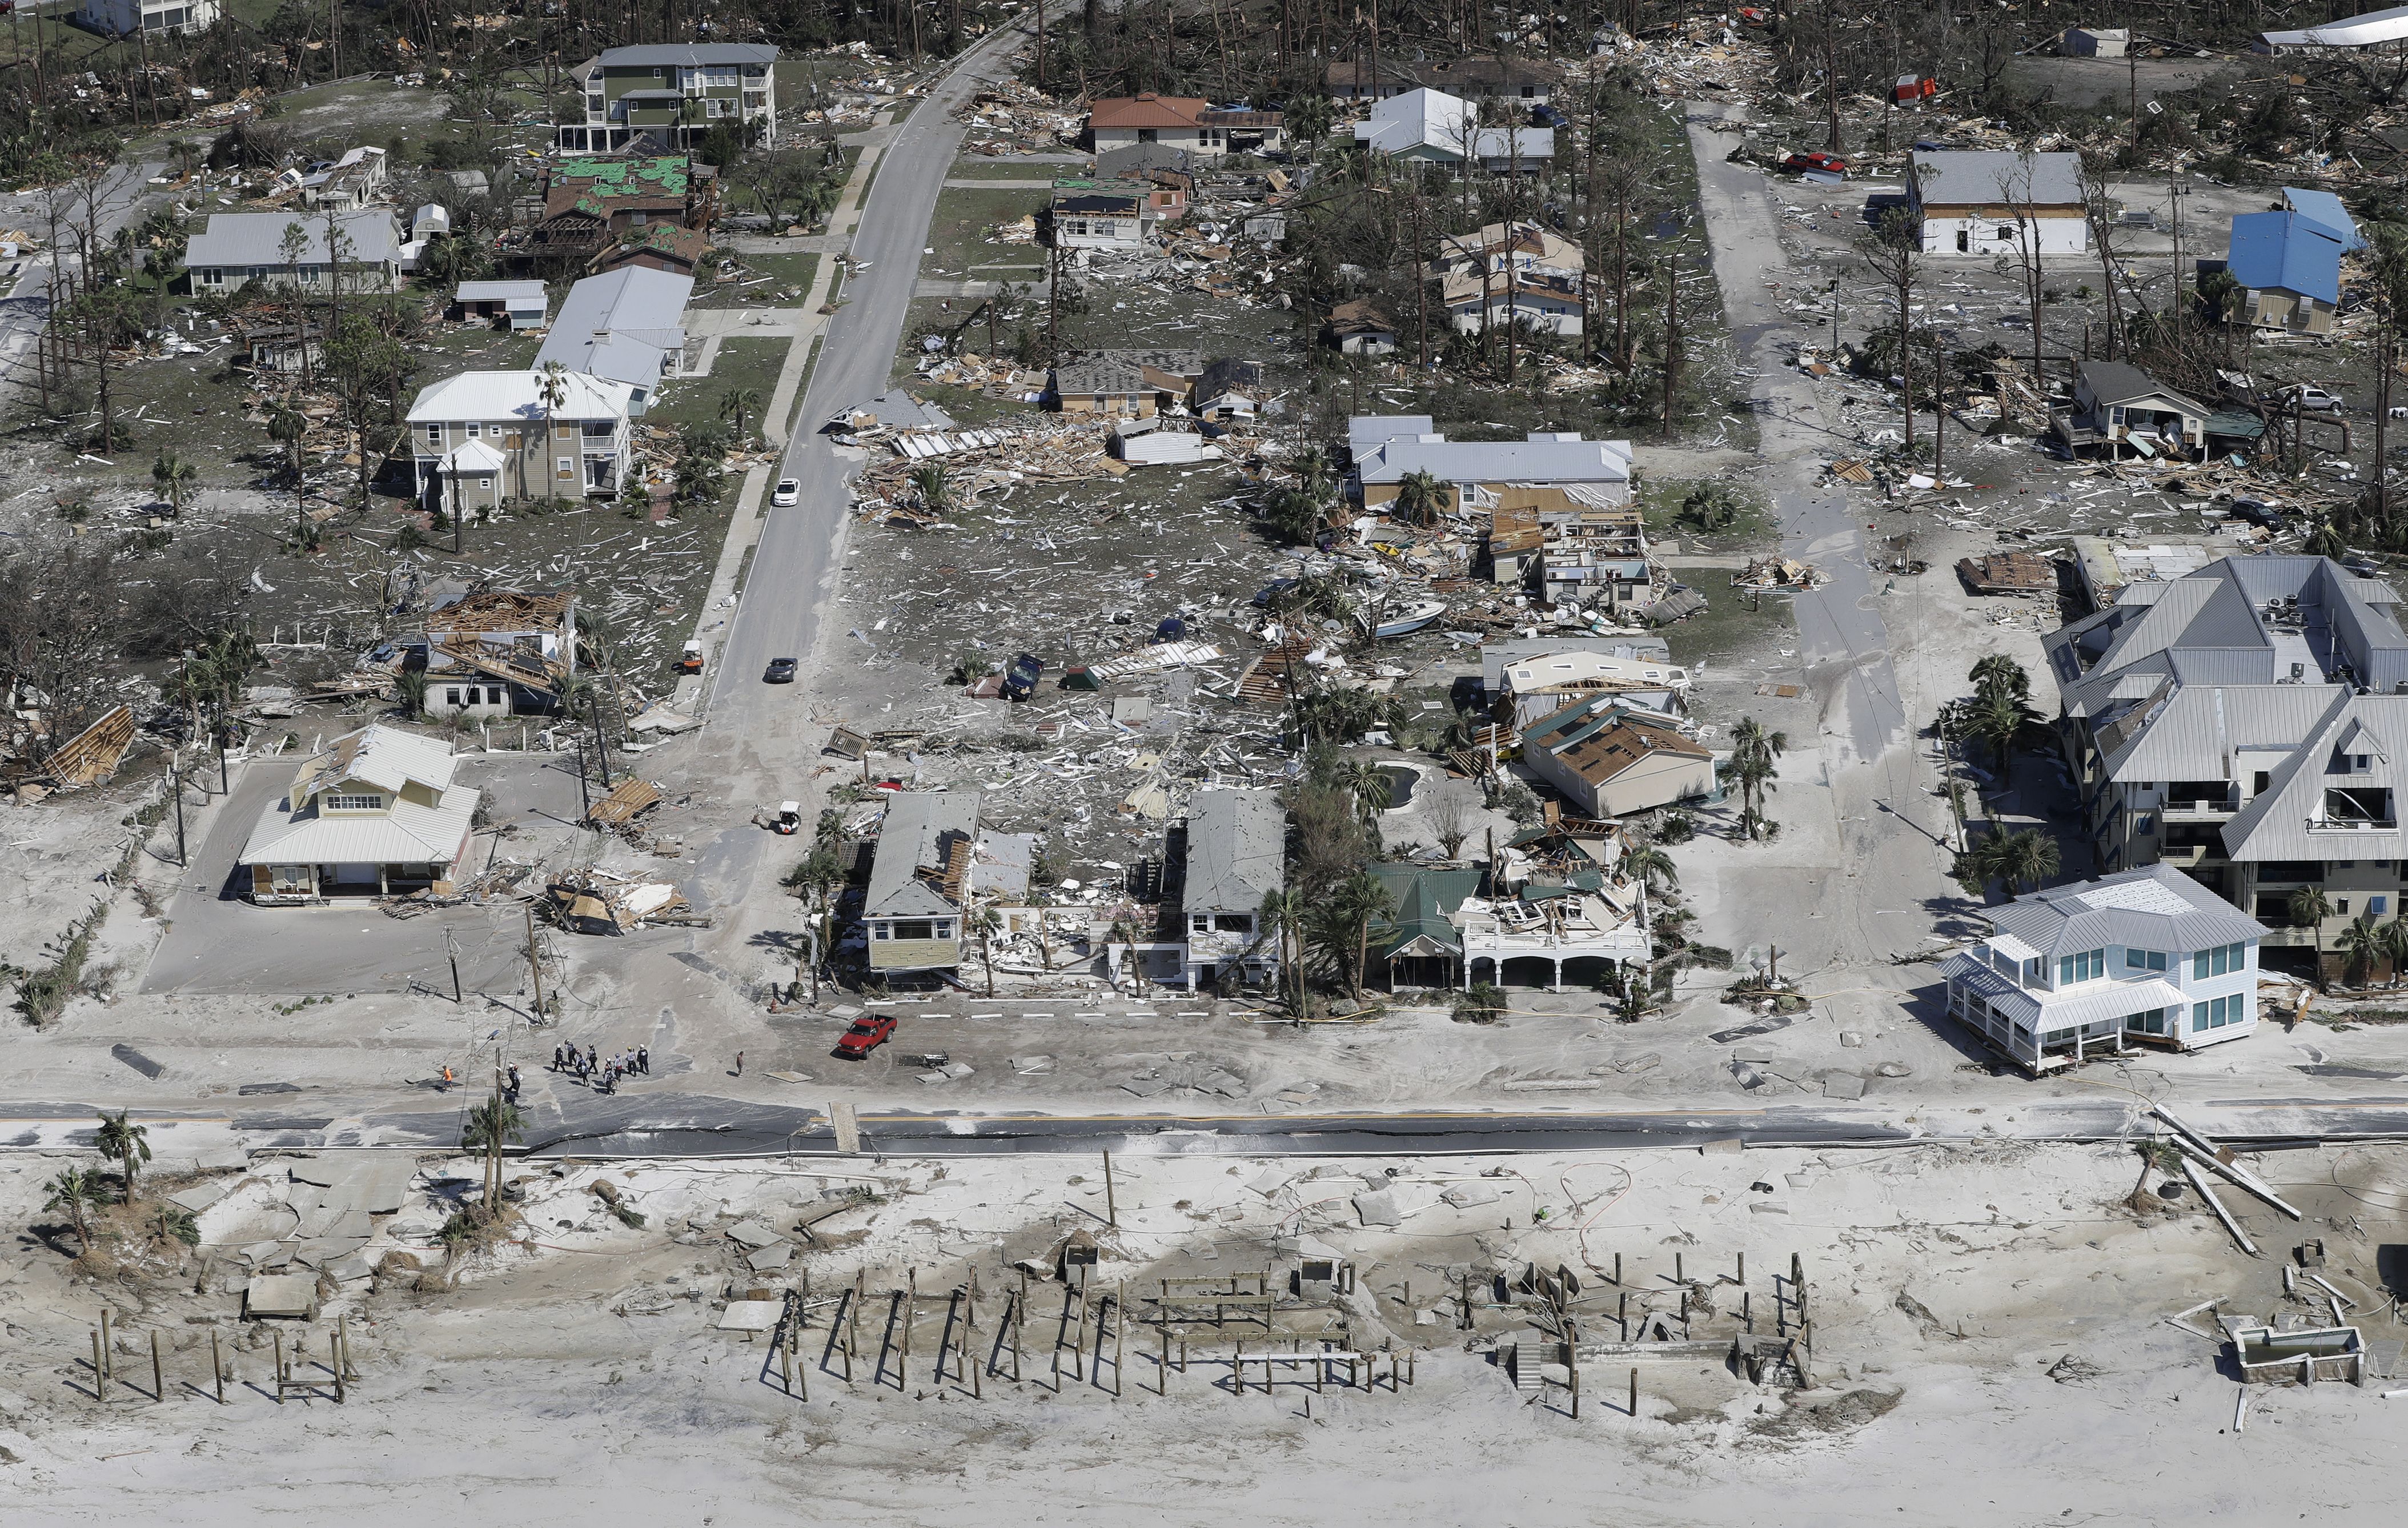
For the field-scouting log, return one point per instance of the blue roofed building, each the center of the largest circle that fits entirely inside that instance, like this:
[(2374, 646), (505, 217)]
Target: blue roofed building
[(2325, 210), (2289, 264)]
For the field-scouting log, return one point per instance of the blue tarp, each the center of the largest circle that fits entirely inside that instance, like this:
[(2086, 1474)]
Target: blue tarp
[(2285, 252)]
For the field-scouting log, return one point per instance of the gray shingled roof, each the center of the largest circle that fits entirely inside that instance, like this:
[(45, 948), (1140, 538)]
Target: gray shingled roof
[(687, 55), (920, 830), (256, 238), (1237, 850), (1500, 461), (2112, 381), (2121, 909), (1997, 177)]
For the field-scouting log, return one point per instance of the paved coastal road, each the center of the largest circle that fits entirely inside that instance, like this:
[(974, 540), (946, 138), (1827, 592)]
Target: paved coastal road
[(792, 575)]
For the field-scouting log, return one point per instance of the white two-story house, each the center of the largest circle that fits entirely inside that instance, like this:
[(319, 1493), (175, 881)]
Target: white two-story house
[(483, 436), (2146, 957)]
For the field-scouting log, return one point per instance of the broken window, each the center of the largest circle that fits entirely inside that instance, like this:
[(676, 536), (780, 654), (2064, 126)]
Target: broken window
[(2349, 805), (915, 928), (1234, 923)]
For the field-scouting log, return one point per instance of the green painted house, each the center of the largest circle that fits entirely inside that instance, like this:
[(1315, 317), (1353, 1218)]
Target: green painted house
[(674, 92)]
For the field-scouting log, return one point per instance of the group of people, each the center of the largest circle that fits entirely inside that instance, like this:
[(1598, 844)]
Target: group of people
[(589, 1067)]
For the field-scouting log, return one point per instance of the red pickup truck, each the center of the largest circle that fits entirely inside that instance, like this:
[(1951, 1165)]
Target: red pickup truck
[(867, 1034)]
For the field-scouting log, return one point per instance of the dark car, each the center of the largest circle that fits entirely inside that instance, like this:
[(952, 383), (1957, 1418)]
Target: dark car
[(1020, 680), (780, 671), (1547, 116), (867, 1034)]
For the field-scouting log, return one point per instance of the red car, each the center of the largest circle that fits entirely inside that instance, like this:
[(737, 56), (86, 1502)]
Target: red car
[(867, 1034), (1818, 162)]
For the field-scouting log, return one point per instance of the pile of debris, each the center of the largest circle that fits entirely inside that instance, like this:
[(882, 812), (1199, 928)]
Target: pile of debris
[(1779, 575), (1013, 118), (1042, 449), (598, 901)]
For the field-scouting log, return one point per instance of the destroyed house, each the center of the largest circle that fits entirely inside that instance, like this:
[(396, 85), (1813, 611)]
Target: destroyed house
[(1499, 247), (232, 248), (1536, 687), (1236, 855), (660, 246), (377, 815), (1359, 327), (1137, 382), (1588, 553), (1606, 762), (1480, 471), (2288, 267), (1107, 214), (2248, 726), (626, 326), (1357, 79), (345, 184), (2145, 955), (673, 93), (921, 880), (2122, 408), (501, 653), (1588, 924), (1998, 202), (483, 436), (591, 203)]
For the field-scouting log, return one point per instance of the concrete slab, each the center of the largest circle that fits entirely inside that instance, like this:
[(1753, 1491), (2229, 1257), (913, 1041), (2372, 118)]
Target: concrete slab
[(281, 1295), (751, 1314)]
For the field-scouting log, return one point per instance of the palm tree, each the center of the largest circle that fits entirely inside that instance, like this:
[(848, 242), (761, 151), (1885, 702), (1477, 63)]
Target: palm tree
[(1651, 865), (174, 475), (736, 403), (490, 1124), (2394, 941), (2309, 908), (288, 427), (2027, 859), (1282, 920), (124, 1142), (987, 922), (1756, 755), (2361, 946), (1357, 902), (1369, 784), (935, 486), (76, 1191), (410, 693), (1999, 672), (2000, 720), (1421, 498), (552, 387)]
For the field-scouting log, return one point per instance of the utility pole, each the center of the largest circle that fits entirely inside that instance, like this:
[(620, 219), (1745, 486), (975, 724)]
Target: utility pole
[(175, 786), (1112, 1212), (534, 960), (452, 951), (1671, 337), (493, 1140)]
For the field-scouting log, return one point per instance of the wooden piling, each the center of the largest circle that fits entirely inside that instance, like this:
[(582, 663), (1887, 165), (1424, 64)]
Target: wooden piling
[(217, 1366), (335, 1351), (1741, 1280), (1634, 1394), (911, 1313), (1162, 1383), (158, 1377), (99, 1380), (1572, 1357), (279, 1367), (1618, 1269), (108, 1351), (970, 1338), (853, 1321), (1120, 1328), (1678, 1276)]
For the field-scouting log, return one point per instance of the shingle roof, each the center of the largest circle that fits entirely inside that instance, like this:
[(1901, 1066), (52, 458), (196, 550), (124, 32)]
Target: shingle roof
[(2285, 252), (256, 238), (1996, 177), (2112, 383), (920, 831), (2155, 907), (1237, 850)]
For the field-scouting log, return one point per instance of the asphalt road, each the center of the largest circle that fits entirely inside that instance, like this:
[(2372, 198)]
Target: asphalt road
[(792, 575), (25, 303)]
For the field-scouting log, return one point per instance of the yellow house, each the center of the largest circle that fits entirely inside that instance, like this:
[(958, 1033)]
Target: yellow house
[(375, 814)]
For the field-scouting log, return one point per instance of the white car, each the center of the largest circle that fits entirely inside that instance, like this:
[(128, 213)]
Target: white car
[(788, 493)]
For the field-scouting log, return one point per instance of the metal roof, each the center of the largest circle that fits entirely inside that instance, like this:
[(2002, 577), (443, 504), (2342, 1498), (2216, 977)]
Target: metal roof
[(2046, 1011), (2204, 725), (1994, 178), (2289, 819), (2366, 31), (920, 830), (1237, 850), (1543, 461), (621, 325), (2327, 211), (2285, 252), (517, 395), (409, 834), (257, 238), (687, 55), (503, 291), (383, 757), (1495, 656), (2156, 907)]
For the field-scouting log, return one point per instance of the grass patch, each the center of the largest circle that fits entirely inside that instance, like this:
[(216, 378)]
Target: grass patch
[(980, 167), (1727, 627), (740, 364), (1661, 500), (958, 231), (790, 270)]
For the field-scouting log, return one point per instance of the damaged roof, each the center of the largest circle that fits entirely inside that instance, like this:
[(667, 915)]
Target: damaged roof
[(1237, 850), (920, 832)]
